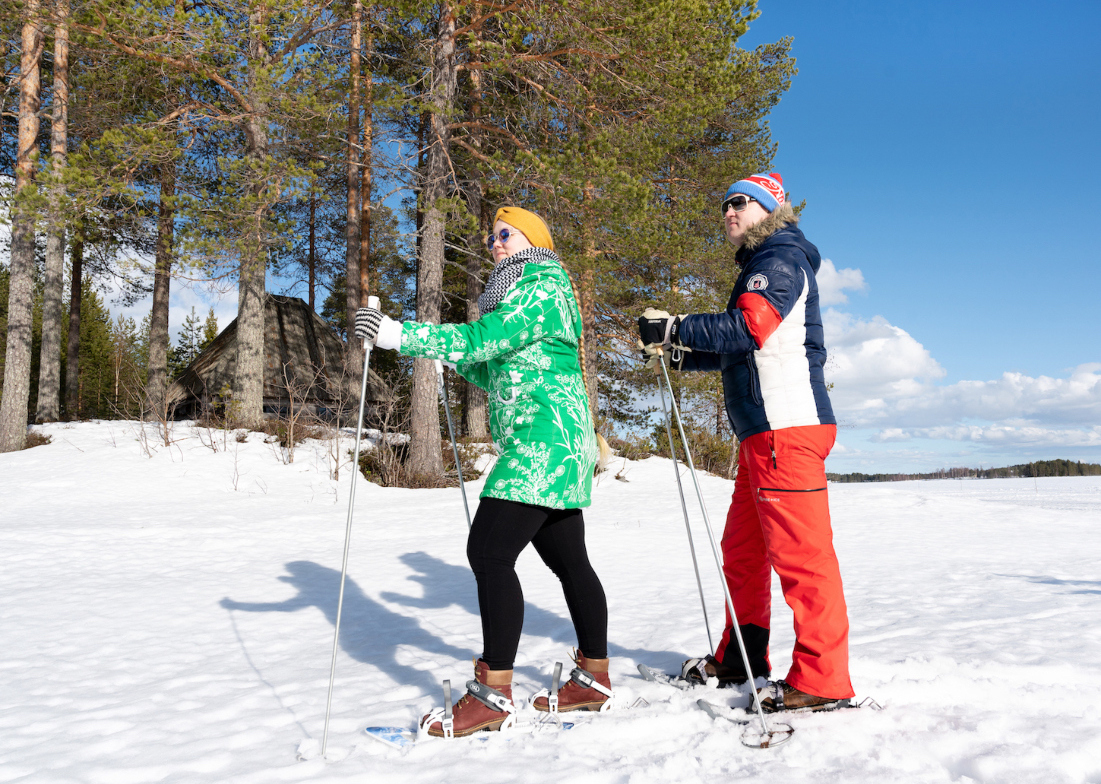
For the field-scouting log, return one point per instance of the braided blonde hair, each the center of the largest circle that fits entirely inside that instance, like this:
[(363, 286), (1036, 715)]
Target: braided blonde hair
[(539, 235)]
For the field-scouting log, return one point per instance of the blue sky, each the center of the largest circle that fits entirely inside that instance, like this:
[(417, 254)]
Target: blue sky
[(948, 155)]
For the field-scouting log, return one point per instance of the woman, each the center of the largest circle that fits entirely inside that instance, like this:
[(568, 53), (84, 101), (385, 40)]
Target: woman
[(526, 351)]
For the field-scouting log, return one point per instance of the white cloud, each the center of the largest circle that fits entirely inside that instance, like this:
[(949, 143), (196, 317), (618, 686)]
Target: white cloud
[(873, 365), (832, 283), (887, 391), (887, 385), (1009, 436), (183, 296)]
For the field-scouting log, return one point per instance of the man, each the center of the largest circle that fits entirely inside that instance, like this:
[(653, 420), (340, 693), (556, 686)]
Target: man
[(769, 347)]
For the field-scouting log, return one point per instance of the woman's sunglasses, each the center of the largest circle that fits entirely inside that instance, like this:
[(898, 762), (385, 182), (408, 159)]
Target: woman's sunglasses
[(502, 235), (739, 201)]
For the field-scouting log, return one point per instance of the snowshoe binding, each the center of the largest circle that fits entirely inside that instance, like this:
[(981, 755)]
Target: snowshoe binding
[(696, 672), (588, 688), (487, 705)]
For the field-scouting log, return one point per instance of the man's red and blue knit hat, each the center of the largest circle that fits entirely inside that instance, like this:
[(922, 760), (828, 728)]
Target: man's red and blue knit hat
[(766, 189)]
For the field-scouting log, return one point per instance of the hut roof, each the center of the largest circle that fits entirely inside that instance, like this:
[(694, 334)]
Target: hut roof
[(296, 342)]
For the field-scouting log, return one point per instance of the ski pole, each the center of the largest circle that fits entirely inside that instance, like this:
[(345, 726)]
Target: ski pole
[(684, 508), (715, 550), (451, 432), (372, 302)]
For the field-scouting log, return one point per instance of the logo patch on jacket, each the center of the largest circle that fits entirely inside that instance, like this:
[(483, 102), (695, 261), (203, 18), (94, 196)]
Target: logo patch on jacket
[(757, 283)]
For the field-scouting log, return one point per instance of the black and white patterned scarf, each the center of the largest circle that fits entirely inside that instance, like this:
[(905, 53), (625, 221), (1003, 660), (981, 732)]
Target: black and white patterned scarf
[(507, 272)]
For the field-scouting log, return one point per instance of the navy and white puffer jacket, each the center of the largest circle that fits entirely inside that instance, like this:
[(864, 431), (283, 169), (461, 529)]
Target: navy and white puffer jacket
[(769, 343)]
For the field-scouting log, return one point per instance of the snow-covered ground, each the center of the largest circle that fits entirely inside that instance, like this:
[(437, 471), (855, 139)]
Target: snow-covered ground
[(169, 618)]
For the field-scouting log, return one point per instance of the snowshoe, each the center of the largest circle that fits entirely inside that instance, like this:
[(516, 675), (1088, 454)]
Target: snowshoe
[(589, 688), (487, 705), (780, 696)]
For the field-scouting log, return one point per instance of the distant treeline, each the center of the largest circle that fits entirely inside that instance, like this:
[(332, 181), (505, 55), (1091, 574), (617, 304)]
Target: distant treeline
[(1039, 468)]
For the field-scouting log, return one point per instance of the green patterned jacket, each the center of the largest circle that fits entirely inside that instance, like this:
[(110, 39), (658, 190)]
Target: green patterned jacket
[(524, 354)]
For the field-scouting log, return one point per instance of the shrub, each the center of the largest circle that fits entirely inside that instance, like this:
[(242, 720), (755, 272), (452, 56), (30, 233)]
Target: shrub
[(633, 448), (34, 438), (385, 465), (711, 452)]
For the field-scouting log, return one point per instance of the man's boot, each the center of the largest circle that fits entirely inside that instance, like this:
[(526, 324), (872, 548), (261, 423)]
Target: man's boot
[(780, 696), (486, 705), (580, 692)]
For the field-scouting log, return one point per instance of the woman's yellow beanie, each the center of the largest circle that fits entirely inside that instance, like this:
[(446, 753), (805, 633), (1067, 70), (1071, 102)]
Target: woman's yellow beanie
[(533, 227)]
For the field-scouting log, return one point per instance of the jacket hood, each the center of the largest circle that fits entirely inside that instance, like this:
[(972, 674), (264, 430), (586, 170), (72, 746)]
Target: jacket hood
[(780, 228)]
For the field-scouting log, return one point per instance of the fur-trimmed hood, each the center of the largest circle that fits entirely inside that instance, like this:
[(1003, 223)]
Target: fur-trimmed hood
[(779, 228), (780, 217)]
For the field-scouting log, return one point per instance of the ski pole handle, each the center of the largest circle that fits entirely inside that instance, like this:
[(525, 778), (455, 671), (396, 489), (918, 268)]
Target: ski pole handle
[(372, 302)]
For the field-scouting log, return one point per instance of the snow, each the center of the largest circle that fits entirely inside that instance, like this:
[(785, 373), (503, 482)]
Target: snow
[(166, 615)]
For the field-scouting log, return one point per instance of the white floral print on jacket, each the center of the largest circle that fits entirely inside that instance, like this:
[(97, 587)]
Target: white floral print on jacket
[(524, 354)]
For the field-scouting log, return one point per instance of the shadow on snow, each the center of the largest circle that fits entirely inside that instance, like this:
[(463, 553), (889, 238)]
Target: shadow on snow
[(1089, 586), (371, 633)]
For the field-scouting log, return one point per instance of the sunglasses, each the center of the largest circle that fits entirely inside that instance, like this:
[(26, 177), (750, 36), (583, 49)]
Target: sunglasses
[(503, 235), (739, 201)]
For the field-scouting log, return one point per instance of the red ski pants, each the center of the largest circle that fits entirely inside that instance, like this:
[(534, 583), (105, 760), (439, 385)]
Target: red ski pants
[(780, 518)]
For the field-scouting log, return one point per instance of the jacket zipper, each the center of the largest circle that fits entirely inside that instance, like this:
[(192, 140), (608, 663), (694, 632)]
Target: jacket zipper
[(754, 384)]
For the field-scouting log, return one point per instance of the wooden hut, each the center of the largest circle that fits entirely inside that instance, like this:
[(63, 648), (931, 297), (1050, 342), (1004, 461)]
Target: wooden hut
[(298, 345)]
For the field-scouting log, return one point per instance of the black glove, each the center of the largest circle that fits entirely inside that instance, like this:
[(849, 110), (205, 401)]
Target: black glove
[(367, 322), (658, 328), (653, 327)]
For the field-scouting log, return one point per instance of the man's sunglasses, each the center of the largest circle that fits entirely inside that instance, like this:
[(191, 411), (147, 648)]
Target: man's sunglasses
[(502, 235), (739, 201)]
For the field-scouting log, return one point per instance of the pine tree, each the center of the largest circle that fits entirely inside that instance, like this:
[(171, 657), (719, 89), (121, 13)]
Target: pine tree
[(94, 388), (17, 360), (49, 382), (261, 90), (188, 345), (210, 330)]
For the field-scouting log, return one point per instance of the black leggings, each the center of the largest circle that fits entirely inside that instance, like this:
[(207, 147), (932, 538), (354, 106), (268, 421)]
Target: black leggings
[(500, 531)]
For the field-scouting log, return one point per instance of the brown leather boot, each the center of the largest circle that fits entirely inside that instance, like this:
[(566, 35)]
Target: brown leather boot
[(470, 713), (782, 696), (576, 696)]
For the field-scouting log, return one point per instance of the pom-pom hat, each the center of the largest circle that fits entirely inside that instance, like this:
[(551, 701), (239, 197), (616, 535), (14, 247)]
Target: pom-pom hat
[(531, 225), (766, 189)]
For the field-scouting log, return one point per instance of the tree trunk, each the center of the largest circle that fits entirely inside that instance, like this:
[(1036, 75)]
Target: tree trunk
[(311, 259), (474, 397), (732, 467), (365, 176), (17, 359), (49, 368), (586, 290), (353, 299), (425, 455), (249, 387), (157, 367), (72, 349)]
